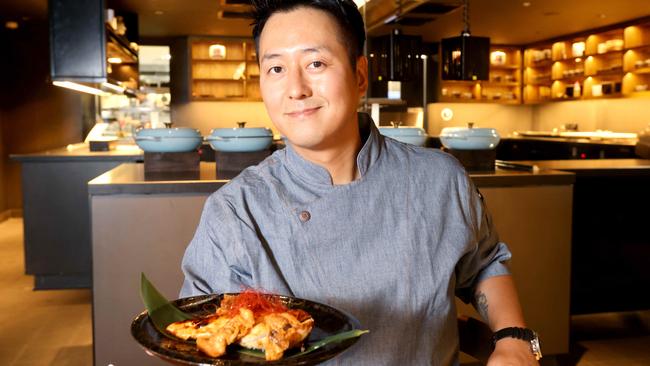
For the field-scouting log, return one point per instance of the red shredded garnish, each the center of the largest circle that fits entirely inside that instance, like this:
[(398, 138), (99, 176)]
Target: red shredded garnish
[(258, 302)]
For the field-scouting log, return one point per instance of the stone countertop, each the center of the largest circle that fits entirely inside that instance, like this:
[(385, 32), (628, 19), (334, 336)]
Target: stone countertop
[(81, 152), (566, 140), (594, 166), (130, 178)]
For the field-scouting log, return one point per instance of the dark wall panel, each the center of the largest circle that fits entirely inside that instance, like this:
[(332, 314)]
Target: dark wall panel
[(35, 114)]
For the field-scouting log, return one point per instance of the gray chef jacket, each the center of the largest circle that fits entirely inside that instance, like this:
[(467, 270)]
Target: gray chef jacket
[(392, 248)]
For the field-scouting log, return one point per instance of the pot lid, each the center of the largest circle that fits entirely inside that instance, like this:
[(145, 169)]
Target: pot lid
[(469, 131), (241, 131), (168, 132), (402, 131)]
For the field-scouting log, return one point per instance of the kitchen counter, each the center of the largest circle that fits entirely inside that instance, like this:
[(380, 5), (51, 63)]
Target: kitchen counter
[(595, 166), (143, 223), (130, 178), (573, 140), (610, 241), (56, 210), (81, 152)]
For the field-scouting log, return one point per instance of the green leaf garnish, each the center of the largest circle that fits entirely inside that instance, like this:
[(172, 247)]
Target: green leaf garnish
[(161, 311), (336, 338)]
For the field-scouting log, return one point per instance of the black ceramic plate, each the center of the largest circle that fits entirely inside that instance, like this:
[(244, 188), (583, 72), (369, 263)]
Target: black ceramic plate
[(327, 321)]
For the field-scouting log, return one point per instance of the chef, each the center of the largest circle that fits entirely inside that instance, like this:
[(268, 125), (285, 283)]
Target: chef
[(386, 231)]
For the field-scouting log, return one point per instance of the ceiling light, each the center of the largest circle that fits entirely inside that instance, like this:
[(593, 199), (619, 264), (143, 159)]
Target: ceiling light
[(10, 24), (526, 4), (159, 12), (114, 60), (79, 87), (602, 16)]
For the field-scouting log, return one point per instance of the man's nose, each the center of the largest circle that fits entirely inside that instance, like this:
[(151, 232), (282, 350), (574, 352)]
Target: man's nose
[(298, 86)]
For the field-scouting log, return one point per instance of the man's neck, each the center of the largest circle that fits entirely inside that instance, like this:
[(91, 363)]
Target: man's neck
[(340, 160)]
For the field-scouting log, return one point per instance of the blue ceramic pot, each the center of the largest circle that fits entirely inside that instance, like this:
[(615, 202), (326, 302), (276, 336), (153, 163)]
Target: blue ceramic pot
[(168, 139), (409, 135), (469, 138), (240, 139)]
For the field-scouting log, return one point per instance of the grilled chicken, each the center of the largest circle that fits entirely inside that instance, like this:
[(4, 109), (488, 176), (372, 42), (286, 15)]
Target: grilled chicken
[(260, 324), (275, 333)]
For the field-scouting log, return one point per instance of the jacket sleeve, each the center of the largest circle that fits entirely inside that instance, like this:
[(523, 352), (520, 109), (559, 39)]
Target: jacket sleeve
[(485, 255), (210, 263)]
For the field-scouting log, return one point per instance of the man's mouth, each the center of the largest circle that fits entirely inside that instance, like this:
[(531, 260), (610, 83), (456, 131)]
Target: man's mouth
[(302, 112)]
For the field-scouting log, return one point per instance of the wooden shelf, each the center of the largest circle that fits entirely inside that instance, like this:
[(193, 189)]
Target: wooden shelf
[(541, 64), (602, 73), (218, 61), (384, 101), (501, 83), (638, 48), (571, 78), (642, 70), (482, 100), (218, 80), (225, 99), (608, 53), (211, 79), (504, 67)]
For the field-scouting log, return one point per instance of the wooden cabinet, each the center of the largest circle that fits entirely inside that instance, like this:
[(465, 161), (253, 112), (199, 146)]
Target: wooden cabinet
[(224, 69), (636, 60), (504, 85), (537, 74), (603, 64)]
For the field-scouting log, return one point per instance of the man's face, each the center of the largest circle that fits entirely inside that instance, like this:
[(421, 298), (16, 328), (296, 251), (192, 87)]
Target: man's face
[(309, 87)]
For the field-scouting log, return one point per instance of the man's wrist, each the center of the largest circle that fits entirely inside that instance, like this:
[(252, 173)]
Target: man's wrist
[(520, 334)]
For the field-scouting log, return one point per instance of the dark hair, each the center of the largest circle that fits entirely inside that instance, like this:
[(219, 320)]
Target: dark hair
[(347, 15)]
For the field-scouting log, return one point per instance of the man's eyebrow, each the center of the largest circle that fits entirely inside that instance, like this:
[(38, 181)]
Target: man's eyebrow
[(269, 56)]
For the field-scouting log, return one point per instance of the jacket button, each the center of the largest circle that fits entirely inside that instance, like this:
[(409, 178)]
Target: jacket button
[(305, 216)]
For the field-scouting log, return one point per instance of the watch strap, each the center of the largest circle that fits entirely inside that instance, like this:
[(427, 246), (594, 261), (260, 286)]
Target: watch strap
[(524, 334), (514, 332)]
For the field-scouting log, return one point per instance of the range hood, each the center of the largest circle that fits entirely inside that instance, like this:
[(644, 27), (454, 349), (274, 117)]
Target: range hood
[(405, 12), (79, 44)]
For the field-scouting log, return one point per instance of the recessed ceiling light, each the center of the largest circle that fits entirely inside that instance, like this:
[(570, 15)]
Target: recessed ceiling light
[(10, 24), (602, 16), (526, 4), (159, 12)]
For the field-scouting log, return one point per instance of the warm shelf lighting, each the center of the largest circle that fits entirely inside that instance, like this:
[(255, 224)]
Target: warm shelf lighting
[(360, 3), (113, 87), (114, 60), (79, 87)]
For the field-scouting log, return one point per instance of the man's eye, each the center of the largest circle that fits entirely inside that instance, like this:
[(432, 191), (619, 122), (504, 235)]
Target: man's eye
[(275, 70), (316, 65)]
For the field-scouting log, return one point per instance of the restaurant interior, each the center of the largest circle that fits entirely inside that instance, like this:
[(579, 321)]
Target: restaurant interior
[(545, 103)]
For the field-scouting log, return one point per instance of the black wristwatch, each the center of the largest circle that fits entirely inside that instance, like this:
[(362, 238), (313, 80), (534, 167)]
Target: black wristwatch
[(525, 334)]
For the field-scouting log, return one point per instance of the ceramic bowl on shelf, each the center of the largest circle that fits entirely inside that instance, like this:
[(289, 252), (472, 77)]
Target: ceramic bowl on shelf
[(406, 134), (469, 138), (240, 139), (161, 140)]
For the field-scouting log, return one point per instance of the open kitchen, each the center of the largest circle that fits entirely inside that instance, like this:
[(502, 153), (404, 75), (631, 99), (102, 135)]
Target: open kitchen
[(120, 119)]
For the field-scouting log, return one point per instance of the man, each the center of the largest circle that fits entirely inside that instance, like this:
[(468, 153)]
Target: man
[(386, 231)]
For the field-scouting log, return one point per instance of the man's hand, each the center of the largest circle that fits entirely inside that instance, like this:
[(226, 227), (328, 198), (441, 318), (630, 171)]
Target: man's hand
[(512, 352)]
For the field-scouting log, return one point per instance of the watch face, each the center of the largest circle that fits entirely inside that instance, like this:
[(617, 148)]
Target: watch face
[(537, 351)]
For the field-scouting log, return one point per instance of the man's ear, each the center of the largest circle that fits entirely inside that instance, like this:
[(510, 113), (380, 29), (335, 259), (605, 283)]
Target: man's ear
[(362, 75)]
